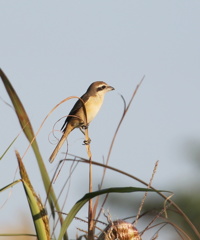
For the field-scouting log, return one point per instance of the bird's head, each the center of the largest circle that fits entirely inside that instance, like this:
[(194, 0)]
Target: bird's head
[(99, 88)]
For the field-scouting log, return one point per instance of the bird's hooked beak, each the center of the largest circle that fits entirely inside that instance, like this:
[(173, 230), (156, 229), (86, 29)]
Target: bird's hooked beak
[(110, 88)]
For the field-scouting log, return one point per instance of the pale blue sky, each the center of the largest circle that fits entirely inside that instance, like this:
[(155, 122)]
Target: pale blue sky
[(54, 49)]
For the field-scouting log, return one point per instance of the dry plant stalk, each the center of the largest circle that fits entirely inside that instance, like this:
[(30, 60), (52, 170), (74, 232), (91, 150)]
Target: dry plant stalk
[(90, 204), (145, 195)]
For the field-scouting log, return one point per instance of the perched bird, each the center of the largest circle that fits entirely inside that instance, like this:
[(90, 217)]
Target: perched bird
[(77, 118)]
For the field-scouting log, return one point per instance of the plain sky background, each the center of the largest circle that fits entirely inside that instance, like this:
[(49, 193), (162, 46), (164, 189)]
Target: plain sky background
[(51, 50)]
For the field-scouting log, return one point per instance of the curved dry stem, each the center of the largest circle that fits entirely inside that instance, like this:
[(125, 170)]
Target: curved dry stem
[(52, 110), (119, 125), (172, 203), (126, 108), (179, 231)]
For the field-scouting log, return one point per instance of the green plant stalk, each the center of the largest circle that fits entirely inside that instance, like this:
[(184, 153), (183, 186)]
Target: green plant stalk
[(8, 147), (37, 214), (10, 185), (40, 226), (17, 234), (29, 133), (38, 211), (89, 196)]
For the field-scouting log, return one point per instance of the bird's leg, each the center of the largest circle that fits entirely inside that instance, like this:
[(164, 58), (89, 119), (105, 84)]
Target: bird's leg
[(82, 128)]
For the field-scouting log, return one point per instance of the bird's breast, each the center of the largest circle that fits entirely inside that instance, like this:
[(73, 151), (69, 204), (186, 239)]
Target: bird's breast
[(93, 106)]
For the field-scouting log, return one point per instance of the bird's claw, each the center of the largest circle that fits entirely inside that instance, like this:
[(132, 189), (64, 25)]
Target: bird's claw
[(87, 142)]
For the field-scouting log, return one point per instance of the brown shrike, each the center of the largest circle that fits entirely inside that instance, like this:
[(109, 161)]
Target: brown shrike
[(80, 116)]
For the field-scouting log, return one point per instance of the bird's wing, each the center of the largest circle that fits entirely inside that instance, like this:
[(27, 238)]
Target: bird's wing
[(75, 109)]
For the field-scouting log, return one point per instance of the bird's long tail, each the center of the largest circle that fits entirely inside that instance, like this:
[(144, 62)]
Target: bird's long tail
[(59, 145)]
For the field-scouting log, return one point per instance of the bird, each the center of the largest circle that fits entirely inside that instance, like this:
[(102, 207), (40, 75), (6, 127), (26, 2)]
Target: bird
[(83, 112)]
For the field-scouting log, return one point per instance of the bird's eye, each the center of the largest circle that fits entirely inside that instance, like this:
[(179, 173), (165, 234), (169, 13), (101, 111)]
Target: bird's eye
[(101, 88)]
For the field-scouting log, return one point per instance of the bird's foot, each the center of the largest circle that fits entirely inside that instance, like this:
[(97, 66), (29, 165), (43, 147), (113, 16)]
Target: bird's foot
[(87, 142)]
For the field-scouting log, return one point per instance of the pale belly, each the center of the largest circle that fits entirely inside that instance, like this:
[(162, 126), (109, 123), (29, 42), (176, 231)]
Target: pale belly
[(93, 106)]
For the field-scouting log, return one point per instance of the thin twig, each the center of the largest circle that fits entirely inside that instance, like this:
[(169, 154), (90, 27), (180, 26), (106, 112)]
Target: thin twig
[(118, 127), (126, 108), (145, 195)]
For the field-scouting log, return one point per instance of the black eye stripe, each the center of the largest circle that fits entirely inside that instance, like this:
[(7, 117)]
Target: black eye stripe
[(101, 88)]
